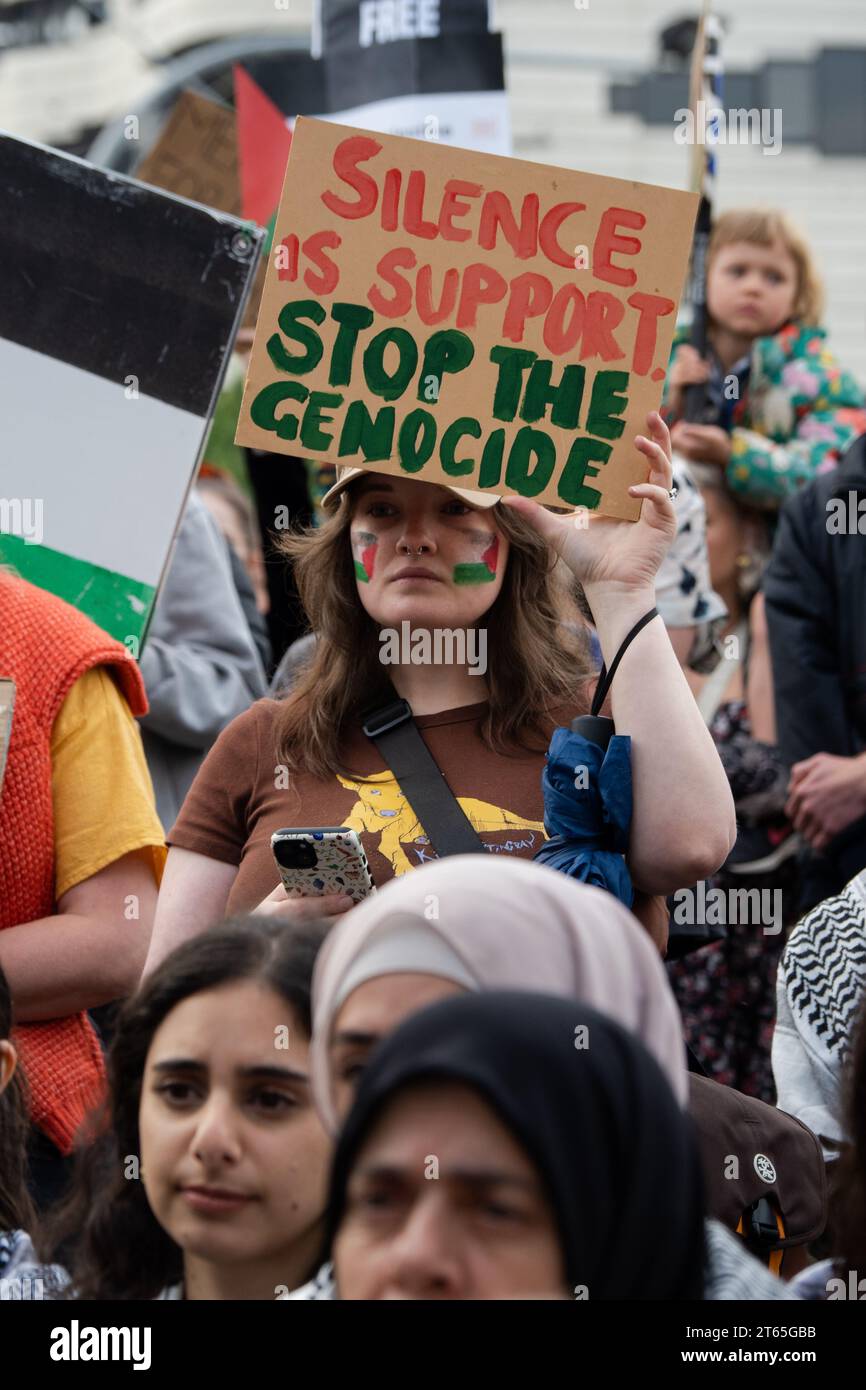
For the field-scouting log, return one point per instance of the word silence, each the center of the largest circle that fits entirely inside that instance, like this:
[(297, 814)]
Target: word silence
[(423, 315)]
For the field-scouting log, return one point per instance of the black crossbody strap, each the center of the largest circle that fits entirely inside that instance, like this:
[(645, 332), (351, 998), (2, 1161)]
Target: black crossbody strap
[(395, 733), (605, 679)]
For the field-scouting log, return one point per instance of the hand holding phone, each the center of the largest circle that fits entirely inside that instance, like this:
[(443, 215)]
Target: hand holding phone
[(279, 904), (322, 861)]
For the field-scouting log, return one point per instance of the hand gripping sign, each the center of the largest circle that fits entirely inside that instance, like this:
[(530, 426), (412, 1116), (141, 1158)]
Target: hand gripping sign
[(455, 316)]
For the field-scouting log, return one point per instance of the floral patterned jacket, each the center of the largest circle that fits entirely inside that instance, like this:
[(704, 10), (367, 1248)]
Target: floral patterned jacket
[(797, 414)]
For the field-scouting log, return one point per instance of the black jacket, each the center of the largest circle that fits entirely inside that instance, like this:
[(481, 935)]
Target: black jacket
[(815, 591)]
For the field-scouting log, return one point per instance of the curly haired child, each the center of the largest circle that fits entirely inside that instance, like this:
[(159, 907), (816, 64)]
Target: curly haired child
[(780, 409)]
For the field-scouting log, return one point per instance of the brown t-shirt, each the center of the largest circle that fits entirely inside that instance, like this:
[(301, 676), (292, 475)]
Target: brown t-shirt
[(241, 796)]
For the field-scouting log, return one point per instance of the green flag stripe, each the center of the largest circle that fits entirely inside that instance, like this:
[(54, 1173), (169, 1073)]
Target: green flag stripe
[(473, 574), (119, 605)]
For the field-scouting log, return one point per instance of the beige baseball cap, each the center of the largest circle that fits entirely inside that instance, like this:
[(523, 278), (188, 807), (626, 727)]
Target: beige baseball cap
[(345, 476)]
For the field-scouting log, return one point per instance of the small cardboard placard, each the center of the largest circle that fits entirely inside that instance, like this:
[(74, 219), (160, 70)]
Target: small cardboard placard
[(463, 318), (196, 155)]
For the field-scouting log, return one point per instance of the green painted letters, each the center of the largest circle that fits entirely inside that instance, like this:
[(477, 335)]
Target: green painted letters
[(571, 486), (297, 364), (312, 436), (390, 388), (605, 402), (449, 350), (263, 408), (374, 438), (512, 363), (457, 468), (490, 470), (519, 477), (351, 318), (564, 398), (416, 440)]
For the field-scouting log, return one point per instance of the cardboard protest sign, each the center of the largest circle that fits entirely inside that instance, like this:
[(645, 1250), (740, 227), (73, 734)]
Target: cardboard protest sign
[(460, 317), (196, 154), (118, 307)]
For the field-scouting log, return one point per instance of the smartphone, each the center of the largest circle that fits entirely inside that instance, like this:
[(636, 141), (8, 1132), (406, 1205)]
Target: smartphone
[(322, 859)]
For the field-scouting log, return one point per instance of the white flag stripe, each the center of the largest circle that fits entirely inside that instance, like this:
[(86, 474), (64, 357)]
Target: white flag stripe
[(111, 471)]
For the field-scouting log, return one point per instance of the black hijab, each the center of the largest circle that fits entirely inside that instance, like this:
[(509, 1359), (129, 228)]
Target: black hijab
[(599, 1120)]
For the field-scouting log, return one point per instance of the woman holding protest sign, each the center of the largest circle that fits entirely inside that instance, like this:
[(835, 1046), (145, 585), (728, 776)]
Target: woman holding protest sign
[(396, 552)]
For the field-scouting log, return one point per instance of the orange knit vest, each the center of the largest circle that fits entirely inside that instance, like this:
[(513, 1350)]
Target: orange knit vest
[(45, 645)]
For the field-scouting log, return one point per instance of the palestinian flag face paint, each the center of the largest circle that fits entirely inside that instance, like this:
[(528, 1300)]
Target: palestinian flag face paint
[(483, 570), (364, 547)]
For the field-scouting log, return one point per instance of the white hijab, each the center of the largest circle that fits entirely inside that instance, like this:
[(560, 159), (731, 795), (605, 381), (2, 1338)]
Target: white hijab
[(499, 922)]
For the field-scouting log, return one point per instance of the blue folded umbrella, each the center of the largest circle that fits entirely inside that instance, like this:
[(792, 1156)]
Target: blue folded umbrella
[(587, 811)]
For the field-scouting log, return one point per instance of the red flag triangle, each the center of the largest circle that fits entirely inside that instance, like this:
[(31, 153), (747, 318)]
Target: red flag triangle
[(264, 141)]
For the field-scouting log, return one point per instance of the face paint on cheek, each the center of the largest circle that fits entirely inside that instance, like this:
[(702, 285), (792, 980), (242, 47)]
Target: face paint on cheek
[(364, 546), (483, 570)]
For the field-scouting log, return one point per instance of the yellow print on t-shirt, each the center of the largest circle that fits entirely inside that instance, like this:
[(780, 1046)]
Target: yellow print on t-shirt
[(382, 809)]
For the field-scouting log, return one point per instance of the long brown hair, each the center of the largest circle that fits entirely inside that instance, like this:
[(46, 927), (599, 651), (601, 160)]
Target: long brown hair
[(16, 1207), (536, 643)]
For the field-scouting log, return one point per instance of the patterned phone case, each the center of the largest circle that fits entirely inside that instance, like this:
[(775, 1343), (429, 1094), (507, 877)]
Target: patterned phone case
[(341, 868)]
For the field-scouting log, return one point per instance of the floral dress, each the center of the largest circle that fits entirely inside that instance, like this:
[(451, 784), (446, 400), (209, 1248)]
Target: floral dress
[(727, 990), (790, 409)]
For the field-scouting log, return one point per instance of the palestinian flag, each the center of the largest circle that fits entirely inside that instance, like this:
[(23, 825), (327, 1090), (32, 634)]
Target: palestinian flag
[(484, 572), (364, 566), (118, 307)]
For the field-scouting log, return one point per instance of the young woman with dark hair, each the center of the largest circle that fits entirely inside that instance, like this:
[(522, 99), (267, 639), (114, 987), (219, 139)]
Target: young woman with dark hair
[(207, 1178)]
